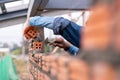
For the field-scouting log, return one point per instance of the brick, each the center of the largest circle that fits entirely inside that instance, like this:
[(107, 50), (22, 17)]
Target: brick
[(30, 32), (97, 33), (53, 64), (43, 62), (40, 60), (62, 77), (103, 71), (77, 63), (47, 59), (47, 77), (37, 45), (53, 69), (36, 73), (42, 76), (43, 67), (27, 36), (31, 77), (62, 61), (46, 69), (39, 75), (78, 70), (62, 69), (36, 58), (116, 37), (76, 77), (36, 55), (43, 58), (40, 65)]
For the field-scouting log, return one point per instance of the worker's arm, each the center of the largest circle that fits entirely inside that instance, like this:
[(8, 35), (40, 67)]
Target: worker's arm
[(68, 29), (60, 42)]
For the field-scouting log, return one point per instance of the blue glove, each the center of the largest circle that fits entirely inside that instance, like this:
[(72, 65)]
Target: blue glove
[(73, 50), (39, 21)]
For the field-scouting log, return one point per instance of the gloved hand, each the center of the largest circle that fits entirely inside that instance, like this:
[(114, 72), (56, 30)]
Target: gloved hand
[(39, 21)]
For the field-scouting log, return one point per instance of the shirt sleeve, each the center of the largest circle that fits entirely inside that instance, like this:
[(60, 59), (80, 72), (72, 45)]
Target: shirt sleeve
[(68, 29), (73, 50), (39, 21)]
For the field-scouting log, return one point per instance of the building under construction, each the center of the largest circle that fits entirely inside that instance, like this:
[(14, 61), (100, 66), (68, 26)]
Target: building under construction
[(97, 41)]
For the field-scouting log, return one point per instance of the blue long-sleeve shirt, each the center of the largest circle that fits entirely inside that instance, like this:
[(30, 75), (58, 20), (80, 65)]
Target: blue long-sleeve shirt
[(68, 29), (73, 50)]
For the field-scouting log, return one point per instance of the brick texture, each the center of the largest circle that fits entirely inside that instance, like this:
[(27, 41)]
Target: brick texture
[(30, 32)]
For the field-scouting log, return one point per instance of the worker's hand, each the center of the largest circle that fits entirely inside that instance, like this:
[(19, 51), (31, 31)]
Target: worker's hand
[(60, 42), (39, 21)]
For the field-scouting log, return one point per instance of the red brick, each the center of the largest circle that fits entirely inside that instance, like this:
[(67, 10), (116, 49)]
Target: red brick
[(37, 45), (30, 32), (103, 71), (62, 61), (97, 33), (78, 70)]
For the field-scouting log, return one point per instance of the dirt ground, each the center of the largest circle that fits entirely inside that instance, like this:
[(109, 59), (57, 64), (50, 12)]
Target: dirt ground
[(22, 69)]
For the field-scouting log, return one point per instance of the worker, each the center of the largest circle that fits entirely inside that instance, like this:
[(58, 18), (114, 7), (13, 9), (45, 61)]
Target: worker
[(60, 26)]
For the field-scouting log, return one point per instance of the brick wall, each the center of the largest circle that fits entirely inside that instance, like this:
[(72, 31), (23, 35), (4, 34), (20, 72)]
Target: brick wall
[(102, 33), (53, 67)]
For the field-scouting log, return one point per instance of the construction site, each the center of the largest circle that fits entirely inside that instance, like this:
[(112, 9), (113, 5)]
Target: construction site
[(59, 40)]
